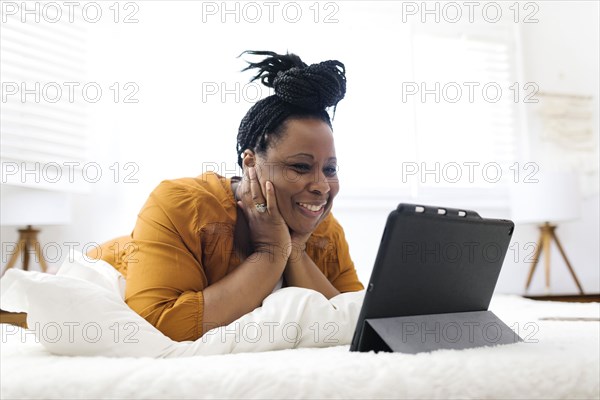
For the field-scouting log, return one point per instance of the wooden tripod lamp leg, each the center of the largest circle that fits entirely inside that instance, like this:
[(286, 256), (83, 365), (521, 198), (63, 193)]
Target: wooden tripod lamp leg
[(28, 241), (15, 255), (38, 251), (26, 251), (546, 236), (536, 259), (564, 255)]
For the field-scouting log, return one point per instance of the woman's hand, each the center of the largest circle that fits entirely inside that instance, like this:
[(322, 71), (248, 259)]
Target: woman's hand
[(268, 231)]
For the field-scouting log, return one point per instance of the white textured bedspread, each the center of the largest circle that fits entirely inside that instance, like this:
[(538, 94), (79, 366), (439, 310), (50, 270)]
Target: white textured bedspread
[(558, 359)]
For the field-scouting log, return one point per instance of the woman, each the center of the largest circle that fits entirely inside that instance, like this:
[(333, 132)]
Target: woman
[(210, 249)]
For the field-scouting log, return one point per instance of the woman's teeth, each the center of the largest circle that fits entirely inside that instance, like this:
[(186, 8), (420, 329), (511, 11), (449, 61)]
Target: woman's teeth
[(311, 207)]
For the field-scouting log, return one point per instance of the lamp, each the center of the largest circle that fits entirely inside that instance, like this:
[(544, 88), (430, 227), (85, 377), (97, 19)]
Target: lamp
[(24, 206), (554, 198)]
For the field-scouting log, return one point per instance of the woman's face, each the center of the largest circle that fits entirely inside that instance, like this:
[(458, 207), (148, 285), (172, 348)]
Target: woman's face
[(302, 166)]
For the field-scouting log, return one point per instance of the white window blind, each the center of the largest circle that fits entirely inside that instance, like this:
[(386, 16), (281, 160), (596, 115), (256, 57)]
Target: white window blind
[(43, 128), (466, 122)]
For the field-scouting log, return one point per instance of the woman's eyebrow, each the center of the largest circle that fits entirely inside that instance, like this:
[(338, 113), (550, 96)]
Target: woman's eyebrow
[(310, 156), (302, 155)]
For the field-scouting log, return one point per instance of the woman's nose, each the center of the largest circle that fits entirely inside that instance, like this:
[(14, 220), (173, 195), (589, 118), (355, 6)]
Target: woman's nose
[(320, 184)]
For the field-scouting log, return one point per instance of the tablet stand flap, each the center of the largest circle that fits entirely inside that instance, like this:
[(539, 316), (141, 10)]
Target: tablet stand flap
[(422, 333)]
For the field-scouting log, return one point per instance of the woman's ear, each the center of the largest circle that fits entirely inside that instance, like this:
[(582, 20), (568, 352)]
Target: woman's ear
[(249, 159)]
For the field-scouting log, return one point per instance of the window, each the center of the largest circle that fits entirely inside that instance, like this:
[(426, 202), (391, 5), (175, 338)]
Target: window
[(43, 131), (465, 97), (433, 117)]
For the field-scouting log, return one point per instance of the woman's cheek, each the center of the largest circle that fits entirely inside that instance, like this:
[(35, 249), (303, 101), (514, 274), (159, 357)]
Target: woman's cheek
[(334, 189), (289, 175), (282, 198)]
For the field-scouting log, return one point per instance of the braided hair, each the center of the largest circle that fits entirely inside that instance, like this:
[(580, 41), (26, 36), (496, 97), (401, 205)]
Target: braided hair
[(301, 91)]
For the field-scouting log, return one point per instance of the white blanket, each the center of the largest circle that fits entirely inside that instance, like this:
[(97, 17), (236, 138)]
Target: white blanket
[(81, 311), (559, 359)]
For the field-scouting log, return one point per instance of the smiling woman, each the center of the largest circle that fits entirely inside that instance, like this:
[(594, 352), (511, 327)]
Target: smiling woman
[(210, 249)]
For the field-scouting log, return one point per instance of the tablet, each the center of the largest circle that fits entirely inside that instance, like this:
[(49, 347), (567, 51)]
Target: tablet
[(432, 260)]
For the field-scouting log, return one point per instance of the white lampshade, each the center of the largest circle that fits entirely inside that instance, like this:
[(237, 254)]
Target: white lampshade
[(554, 198), (26, 206)]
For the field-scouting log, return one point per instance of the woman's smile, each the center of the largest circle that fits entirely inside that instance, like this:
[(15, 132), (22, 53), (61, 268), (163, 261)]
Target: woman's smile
[(311, 210)]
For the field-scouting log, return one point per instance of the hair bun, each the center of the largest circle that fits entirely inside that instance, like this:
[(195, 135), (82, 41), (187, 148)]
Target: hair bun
[(313, 87)]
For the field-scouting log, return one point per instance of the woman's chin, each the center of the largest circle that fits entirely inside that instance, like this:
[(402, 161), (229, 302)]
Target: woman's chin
[(303, 224), (305, 228), (300, 230)]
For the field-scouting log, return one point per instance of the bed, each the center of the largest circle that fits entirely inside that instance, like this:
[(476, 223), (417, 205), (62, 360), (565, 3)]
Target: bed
[(558, 358)]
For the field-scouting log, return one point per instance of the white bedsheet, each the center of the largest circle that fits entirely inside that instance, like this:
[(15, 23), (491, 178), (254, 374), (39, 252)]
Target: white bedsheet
[(559, 359)]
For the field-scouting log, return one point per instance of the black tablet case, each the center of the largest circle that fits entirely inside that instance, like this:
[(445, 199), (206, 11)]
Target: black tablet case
[(432, 282)]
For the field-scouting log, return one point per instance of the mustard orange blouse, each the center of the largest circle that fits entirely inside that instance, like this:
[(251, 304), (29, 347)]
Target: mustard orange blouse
[(183, 241)]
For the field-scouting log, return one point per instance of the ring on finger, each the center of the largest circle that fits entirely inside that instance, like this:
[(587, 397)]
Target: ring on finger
[(260, 207)]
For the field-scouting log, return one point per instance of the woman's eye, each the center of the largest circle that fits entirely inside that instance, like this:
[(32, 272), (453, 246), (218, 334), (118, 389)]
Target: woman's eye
[(301, 167), (330, 171)]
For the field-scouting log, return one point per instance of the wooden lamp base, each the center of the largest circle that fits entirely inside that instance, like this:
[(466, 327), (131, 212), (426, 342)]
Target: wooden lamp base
[(546, 236), (27, 241)]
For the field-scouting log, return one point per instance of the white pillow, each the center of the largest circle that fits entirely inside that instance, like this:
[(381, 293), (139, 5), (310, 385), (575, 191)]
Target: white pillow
[(81, 311)]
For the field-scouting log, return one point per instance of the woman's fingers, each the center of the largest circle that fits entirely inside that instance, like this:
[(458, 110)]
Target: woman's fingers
[(255, 189), (272, 200), (256, 196), (268, 230)]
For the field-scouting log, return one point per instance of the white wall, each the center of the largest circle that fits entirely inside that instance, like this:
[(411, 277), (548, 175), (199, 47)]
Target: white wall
[(171, 131), (560, 54)]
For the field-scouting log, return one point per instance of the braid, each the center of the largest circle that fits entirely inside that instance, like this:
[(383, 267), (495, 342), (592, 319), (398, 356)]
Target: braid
[(317, 86), (301, 91)]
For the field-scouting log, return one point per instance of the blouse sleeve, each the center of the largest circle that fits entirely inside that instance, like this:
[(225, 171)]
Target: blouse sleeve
[(343, 274), (165, 277)]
